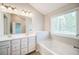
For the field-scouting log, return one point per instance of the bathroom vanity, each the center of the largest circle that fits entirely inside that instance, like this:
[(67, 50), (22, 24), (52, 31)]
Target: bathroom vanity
[(16, 37), (20, 45)]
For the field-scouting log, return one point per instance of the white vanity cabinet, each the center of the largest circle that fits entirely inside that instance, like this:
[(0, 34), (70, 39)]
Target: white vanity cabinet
[(5, 48), (24, 46), (28, 45), (32, 43), (24, 43), (15, 47), (18, 46)]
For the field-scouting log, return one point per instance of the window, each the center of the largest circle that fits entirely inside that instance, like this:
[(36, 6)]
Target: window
[(64, 24)]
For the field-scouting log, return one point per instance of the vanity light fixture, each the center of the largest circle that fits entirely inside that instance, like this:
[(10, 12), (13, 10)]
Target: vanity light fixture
[(3, 6), (15, 9), (27, 12), (10, 8), (30, 14)]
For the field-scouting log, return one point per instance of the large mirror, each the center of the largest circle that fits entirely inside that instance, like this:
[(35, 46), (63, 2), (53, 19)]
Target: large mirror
[(16, 24)]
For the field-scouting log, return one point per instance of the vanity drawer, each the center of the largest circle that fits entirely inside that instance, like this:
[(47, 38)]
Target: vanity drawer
[(24, 43), (32, 44), (24, 40), (16, 41), (15, 48), (24, 51), (4, 43), (32, 41), (32, 37), (4, 50), (17, 52), (15, 45)]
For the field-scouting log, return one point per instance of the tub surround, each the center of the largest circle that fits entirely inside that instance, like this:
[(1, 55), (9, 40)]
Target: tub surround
[(50, 47), (55, 46)]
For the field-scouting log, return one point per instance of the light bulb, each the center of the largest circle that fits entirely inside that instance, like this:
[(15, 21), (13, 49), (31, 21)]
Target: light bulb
[(3, 7), (30, 14), (23, 12), (15, 9), (9, 8), (27, 14), (29, 10)]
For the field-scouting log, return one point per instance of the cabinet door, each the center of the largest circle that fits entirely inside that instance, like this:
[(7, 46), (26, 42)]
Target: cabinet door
[(4, 50), (24, 51), (15, 47), (4, 47), (24, 43), (24, 47), (15, 44), (4, 43), (32, 44)]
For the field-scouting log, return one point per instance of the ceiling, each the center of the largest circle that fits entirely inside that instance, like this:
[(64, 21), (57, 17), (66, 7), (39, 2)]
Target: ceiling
[(45, 8)]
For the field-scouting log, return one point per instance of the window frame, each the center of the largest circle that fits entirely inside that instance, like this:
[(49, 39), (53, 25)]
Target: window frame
[(66, 34)]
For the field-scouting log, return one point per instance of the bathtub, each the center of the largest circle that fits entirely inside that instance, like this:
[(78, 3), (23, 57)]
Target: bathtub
[(49, 47), (43, 49)]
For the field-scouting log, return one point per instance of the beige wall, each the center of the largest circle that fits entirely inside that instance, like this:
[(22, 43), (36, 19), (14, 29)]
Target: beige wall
[(47, 24)]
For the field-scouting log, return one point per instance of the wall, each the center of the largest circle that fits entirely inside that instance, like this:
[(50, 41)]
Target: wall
[(47, 25), (37, 18), (1, 24)]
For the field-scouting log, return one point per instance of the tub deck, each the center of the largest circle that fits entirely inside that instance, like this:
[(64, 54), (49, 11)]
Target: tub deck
[(49, 47)]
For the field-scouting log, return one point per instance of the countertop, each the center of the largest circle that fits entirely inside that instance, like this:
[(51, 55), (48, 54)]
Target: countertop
[(15, 36)]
